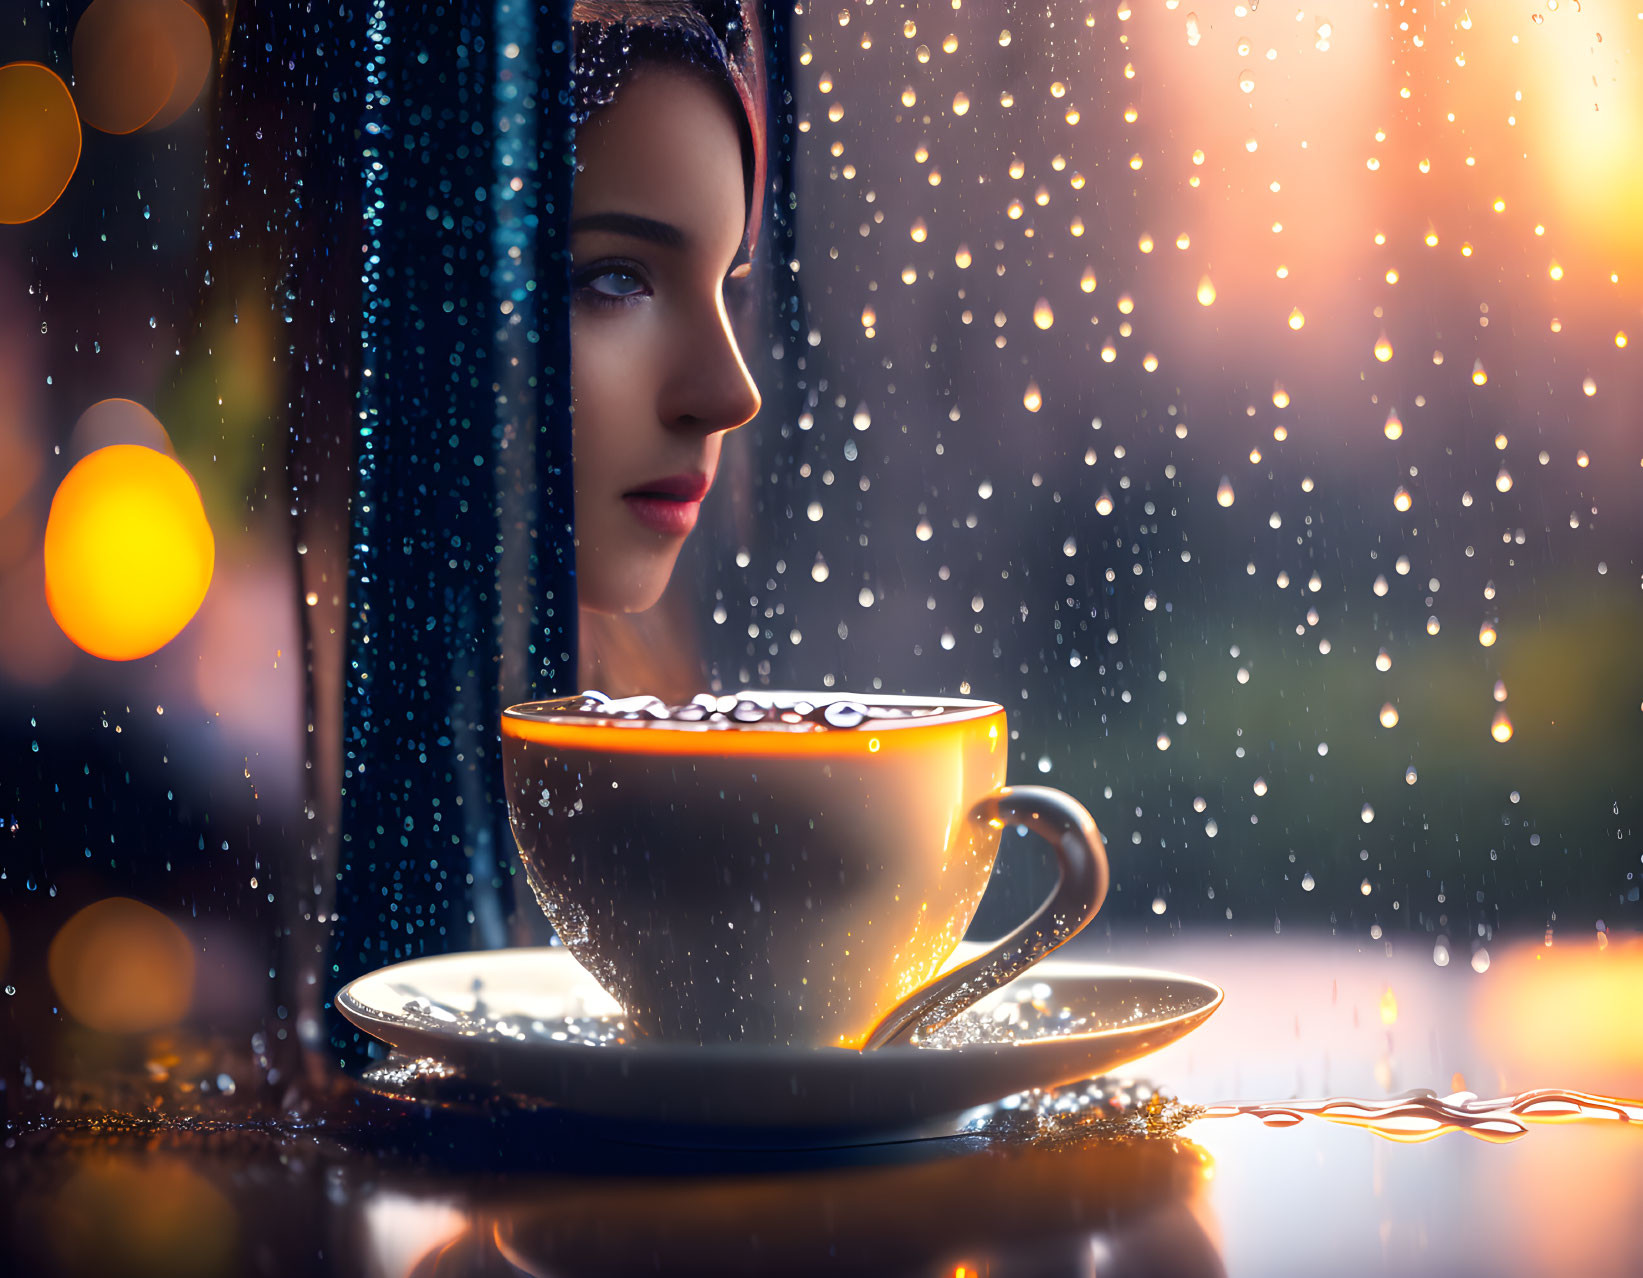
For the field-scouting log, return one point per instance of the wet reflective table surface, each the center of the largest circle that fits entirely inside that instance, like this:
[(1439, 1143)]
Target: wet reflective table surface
[(197, 1181)]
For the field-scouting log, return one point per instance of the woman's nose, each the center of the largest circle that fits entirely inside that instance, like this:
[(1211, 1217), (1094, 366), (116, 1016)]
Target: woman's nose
[(711, 389)]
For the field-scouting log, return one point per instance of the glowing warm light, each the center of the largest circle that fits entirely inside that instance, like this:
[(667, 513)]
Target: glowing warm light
[(1103, 503), (1297, 321), (1126, 303), (961, 258), (1383, 348), (1224, 495), (961, 103), (139, 64), (1394, 425), (1555, 270), (39, 140), (1383, 661), (1503, 481), (1087, 280), (1620, 339), (1206, 291), (919, 231), (1479, 375), (1401, 499), (1389, 715), (1574, 1005), (1487, 635), (1501, 728), (122, 967), (1280, 397), (1031, 399), (1144, 243), (128, 552), (1043, 316)]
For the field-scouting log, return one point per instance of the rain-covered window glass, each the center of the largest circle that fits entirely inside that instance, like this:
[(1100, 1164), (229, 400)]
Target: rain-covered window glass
[(1246, 397)]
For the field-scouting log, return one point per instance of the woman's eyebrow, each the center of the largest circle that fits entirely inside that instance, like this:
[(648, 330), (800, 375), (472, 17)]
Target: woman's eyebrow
[(632, 224)]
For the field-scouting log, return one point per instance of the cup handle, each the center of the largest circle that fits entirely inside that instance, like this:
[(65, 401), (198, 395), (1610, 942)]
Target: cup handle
[(1061, 820)]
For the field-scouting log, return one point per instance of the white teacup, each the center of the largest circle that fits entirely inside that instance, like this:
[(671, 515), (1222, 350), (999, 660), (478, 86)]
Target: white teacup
[(784, 867)]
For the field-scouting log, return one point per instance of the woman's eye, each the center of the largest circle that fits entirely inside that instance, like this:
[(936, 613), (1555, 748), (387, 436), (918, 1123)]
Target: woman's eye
[(614, 285)]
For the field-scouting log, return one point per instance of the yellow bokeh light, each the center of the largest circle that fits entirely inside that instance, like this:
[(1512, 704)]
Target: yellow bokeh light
[(39, 140), (128, 552), (122, 966)]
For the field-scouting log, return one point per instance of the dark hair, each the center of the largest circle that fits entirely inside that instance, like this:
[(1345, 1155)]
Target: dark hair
[(715, 38)]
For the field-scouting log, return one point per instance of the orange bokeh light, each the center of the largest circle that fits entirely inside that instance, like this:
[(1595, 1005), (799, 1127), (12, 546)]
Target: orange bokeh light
[(1566, 1010), (128, 552), (139, 64), (122, 966), (39, 140)]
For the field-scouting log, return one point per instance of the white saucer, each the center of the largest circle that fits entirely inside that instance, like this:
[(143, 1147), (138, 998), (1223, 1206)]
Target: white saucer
[(534, 1023)]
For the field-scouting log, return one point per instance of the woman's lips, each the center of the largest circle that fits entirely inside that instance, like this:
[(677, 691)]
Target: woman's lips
[(669, 504), (670, 516)]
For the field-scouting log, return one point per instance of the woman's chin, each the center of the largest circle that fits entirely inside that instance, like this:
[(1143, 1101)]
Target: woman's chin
[(629, 593)]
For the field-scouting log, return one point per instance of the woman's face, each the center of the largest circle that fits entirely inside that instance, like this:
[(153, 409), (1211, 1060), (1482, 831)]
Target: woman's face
[(657, 217)]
